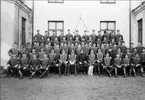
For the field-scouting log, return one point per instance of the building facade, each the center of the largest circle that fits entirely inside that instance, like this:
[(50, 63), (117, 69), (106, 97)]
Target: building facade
[(99, 15), (16, 25), (138, 24)]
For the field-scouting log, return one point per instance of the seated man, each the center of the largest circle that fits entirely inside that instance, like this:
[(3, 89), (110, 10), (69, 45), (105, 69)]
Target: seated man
[(72, 62), (24, 63), (107, 64), (34, 66), (82, 62), (118, 62), (126, 63), (44, 65), (63, 61), (99, 60), (92, 60), (13, 64)]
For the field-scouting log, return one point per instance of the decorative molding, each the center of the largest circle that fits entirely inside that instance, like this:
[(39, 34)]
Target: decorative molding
[(139, 8)]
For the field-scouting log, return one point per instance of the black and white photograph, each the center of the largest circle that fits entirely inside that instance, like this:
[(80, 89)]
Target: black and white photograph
[(72, 50)]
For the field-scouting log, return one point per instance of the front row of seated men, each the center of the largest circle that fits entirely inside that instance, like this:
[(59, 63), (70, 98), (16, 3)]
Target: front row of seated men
[(41, 63)]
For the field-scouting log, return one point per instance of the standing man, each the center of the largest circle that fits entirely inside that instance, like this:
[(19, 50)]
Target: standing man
[(38, 36), (93, 36), (54, 35), (69, 35), (77, 35), (61, 36), (119, 37), (85, 36)]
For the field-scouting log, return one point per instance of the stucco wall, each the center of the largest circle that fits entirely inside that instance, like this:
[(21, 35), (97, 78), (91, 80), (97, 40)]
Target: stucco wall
[(135, 27), (7, 29), (92, 12)]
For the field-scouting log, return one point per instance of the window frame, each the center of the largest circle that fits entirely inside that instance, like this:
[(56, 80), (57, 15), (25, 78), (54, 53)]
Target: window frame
[(56, 21), (107, 22), (107, 2), (55, 1)]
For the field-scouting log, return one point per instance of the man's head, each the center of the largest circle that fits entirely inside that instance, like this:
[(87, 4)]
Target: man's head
[(118, 31), (93, 31), (38, 31), (68, 30), (139, 43), (77, 31)]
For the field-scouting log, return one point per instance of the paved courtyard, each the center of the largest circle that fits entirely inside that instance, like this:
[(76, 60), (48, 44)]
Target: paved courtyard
[(71, 87)]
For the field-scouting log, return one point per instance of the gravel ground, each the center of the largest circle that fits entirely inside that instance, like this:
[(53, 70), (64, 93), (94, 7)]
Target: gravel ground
[(71, 87)]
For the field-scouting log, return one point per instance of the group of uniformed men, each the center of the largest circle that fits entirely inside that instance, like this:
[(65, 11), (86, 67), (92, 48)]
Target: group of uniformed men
[(70, 53)]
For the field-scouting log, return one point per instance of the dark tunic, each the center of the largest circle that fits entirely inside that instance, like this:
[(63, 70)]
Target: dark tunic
[(119, 36), (139, 49), (37, 48), (24, 62), (126, 61), (118, 61), (41, 54), (38, 36), (12, 62), (100, 57), (13, 51), (34, 62), (107, 61), (72, 58), (68, 36), (44, 62), (86, 37), (136, 60), (92, 58), (47, 49), (94, 37), (82, 57), (100, 37), (57, 52), (52, 57), (77, 35), (28, 49), (143, 57), (63, 57)]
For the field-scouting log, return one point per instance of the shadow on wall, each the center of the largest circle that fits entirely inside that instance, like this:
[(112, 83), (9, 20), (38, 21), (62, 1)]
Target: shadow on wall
[(6, 37)]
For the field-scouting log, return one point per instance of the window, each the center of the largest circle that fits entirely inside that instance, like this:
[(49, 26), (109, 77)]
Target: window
[(56, 26), (140, 30), (109, 25), (55, 1), (108, 1), (23, 36)]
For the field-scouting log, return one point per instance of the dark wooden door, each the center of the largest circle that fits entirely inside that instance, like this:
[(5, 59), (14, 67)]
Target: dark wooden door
[(140, 30), (23, 31)]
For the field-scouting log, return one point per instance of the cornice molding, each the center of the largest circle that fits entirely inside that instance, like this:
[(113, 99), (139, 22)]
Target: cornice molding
[(139, 8)]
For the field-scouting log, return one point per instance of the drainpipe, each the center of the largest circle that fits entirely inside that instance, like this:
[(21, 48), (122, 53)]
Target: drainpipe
[(130, 23), (32, 19)]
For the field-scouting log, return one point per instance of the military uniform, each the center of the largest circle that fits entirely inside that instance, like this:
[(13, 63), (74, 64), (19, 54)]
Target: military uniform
[(44, 63), (72, 62), (13, 66), (92, 60), (63, 61), (82, 63), (107, 65)]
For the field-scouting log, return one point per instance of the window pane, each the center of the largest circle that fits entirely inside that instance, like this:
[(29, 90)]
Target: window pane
[(112, 1), (111, 26), (58, 33), (51, 0), (51, 32), (59, 25), (51, 25), (59, 0), (104, 0), (103, 26)]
